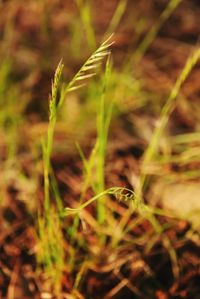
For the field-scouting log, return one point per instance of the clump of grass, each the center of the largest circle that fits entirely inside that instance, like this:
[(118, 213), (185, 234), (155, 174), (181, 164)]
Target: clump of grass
[(97, 161), (51, 241), (56, 102)]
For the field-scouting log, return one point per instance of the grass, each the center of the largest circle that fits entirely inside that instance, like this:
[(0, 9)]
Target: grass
[(103, 121), (165, 113), (95, 231), (11, 111), (153, 32), (51, 236), (86, 18)]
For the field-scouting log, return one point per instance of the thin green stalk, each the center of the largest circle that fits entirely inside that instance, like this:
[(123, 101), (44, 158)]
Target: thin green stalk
[(118, 14), (164, 116), (103, 120), (47, 146), (85, 14), (120, 194), (150, 36)]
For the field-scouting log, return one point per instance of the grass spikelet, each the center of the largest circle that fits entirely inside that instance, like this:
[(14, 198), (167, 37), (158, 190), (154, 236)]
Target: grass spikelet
[(103, 122), (88, 68), (47, 146), (54, 91)]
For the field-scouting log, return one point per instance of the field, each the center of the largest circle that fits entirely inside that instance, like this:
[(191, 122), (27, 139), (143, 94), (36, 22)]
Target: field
[(99, 149)]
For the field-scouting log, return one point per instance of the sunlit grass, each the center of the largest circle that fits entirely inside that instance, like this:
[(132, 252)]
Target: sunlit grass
[(51, 255), (107, 214)]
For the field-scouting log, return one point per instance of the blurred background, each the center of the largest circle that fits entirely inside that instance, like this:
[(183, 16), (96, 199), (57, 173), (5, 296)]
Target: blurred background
[(152, 41)]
